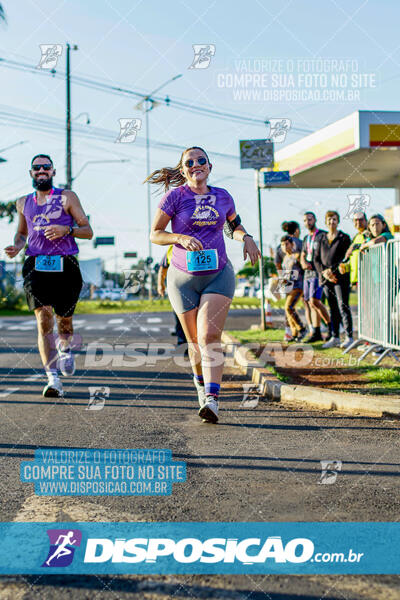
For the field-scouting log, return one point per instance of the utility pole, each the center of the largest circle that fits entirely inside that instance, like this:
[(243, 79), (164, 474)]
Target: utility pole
[(68, 117), (147, 110), (261, 259)]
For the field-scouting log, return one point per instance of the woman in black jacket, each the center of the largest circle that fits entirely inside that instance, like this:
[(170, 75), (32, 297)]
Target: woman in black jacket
[(329, 254)]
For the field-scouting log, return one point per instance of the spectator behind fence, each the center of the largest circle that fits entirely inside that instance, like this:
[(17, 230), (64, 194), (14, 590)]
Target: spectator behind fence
[(350, 261), (329, 253), (292, 281), (378, 232)]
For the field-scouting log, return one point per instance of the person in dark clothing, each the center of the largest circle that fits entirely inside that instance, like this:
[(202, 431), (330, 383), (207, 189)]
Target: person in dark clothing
[(312, 292), (162, 274), (329, 253)]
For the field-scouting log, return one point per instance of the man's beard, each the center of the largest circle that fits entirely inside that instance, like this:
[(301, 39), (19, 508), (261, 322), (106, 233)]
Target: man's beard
[(43, 184)]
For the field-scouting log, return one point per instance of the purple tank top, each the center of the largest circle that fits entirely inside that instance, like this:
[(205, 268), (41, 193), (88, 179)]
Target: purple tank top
[(39, 217)]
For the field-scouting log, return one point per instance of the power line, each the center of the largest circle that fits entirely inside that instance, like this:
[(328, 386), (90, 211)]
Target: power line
[(37, 122), (119, 90)]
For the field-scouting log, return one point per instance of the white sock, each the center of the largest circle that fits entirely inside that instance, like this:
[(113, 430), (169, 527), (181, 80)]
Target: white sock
[(52, 375)]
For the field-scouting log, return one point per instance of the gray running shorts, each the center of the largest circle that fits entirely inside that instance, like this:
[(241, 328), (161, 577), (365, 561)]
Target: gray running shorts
[(185, 290)]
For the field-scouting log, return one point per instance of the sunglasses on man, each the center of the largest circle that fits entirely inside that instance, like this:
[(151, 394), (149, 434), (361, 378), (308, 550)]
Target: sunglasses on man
[(46, 167), (200, 161)]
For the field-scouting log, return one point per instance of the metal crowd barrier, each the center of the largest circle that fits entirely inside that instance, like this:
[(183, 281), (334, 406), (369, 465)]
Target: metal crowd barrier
[(379, 300)]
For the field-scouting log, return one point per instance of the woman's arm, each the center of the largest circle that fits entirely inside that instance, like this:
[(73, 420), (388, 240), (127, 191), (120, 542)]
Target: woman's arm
[(159, 236), (250, 249), (381, 239)]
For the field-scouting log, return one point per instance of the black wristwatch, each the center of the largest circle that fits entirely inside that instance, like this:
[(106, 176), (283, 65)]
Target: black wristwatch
[(247, 235)]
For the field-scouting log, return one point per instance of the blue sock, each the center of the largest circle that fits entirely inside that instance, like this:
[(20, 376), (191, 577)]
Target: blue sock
[(212, 389), (199, 379)]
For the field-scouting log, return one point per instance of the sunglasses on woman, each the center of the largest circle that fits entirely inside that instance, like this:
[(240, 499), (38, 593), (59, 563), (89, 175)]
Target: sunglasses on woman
[(46, 167), (200, 161)]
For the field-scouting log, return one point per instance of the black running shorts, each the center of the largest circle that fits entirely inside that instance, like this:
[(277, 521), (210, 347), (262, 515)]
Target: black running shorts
[(59, 290)]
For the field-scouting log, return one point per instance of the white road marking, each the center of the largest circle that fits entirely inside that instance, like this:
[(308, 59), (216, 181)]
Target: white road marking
[(122, 328), (95, 327), (149, 329), (20, 327), (115, 321), (34, 377), (8, 391), (154, 320)]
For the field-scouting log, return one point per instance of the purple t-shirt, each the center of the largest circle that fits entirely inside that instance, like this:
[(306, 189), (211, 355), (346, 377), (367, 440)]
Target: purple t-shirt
[(201, 216), (39, 217)]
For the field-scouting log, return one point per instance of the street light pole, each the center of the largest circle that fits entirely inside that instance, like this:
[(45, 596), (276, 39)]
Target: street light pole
[(68, 117), (261, 259), (90, 162), (148, 173), (146, 105)]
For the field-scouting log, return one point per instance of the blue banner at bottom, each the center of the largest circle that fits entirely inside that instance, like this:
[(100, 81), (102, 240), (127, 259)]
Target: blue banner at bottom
[(211, 548)]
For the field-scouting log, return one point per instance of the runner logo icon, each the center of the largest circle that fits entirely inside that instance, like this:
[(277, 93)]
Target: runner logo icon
[(63, 543)]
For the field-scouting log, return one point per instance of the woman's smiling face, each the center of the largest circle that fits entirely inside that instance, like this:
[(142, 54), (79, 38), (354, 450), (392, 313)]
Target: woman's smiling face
[(195, 167)]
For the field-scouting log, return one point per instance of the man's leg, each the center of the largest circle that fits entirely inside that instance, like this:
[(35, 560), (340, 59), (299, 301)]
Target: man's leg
[(65, 331), (342, 290), (308, 313), (295, 322), (48, 353), (45, 323), (65, 334), (334, 340), (320, 308)]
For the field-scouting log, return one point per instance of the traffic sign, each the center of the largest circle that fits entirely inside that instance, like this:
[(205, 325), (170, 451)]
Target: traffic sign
[(255, 154), (130, 254), (276, 177), (104, 241)]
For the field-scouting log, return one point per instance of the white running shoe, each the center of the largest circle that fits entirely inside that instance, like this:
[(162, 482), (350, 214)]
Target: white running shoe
[(347, 342), (333, 342), (66, 360), (53, 389), (209, 412), (201, 392)]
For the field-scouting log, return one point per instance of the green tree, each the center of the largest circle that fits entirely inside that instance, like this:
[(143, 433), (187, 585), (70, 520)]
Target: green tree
[(250, 270), (9, 210)]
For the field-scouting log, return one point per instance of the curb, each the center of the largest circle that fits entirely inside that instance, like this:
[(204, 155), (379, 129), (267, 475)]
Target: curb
[(272, 389)]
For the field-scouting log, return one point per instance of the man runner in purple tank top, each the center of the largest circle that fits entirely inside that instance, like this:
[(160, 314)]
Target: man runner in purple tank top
[(51, 218)]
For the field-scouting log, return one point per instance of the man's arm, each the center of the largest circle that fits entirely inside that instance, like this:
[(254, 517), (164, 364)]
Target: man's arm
[(22, 231), (74, 208)]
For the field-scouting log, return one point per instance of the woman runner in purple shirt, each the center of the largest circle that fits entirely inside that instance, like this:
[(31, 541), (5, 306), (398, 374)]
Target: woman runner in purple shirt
[(201, 280)]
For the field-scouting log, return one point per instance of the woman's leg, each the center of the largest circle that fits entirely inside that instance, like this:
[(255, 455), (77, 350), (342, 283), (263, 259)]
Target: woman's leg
[(211, 318), (188, 320)]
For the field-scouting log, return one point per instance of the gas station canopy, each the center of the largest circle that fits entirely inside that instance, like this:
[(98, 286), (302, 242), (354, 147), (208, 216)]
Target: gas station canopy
[(361, 150)]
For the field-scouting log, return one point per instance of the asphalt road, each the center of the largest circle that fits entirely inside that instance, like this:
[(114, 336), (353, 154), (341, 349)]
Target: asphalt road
[(260, 464)]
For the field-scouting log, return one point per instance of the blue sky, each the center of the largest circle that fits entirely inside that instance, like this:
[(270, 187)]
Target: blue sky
[(140, 45)]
